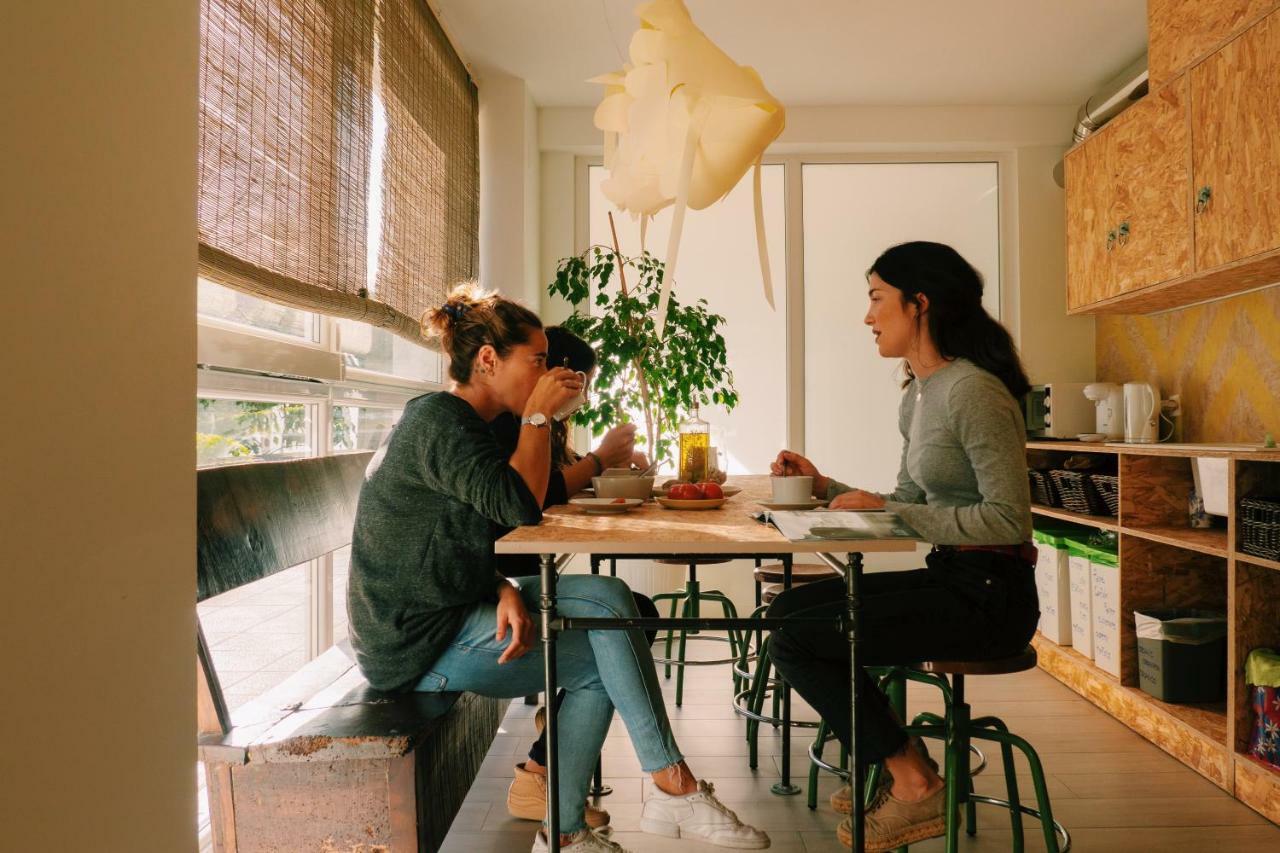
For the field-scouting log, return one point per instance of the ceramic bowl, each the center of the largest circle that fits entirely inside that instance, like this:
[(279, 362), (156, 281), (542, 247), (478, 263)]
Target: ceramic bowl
[(623, 487)]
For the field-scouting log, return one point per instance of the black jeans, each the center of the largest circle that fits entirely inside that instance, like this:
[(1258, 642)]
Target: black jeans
[(538, 752), (966, 605)]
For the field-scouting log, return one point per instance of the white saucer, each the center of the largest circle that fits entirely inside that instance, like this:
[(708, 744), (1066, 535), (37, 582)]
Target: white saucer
[(1092, 437), (804, 505), (605, 506)]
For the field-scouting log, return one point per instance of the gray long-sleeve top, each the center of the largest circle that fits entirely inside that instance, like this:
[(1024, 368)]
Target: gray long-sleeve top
[(435, 498), (963, 477)]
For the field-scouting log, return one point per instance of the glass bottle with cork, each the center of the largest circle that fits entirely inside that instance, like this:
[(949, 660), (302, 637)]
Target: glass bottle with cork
[(695, 442)]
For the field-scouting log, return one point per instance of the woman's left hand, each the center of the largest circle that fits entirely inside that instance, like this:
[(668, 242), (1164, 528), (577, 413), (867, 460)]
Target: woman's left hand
[(513, 614), (856, 499)]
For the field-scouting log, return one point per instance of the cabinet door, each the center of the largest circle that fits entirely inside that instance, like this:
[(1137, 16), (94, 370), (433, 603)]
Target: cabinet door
[(1235, 113), (1181, 31), (1148, 155), (1088, 261)]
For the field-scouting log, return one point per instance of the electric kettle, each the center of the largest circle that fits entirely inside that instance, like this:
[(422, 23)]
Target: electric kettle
[(1141, 413)]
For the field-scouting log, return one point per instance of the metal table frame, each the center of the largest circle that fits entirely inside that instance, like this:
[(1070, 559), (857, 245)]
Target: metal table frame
[(551, 624)]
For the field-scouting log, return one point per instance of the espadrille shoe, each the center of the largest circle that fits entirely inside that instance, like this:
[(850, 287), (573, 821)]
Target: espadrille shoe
[(842, 797), (891, 822)]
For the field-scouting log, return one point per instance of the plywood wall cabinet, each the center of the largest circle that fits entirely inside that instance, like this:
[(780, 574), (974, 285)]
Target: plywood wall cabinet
[(1191, 185), (1148, 165), (1180, 32), (1236, 150)]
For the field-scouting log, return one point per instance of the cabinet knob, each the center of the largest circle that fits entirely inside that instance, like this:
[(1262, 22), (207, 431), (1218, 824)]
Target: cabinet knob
[(1111, 239), (1203, 197), (1122, 234)]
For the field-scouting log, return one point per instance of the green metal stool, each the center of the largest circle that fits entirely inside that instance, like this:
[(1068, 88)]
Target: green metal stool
[(690, 599), (959, 728)]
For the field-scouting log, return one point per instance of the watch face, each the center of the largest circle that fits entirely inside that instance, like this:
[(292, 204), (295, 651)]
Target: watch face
[(537, 419)]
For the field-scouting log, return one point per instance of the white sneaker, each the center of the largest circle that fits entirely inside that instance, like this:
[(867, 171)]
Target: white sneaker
[(584, 841), (699, 815)]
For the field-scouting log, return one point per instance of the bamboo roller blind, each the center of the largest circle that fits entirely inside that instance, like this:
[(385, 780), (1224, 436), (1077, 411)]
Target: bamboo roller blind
[(338, 162)]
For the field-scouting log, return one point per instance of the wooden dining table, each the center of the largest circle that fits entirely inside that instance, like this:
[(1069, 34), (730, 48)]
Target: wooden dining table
[(652, 531)]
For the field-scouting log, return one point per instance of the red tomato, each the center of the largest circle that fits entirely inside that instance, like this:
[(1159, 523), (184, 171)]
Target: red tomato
[(685, 492), (619, 500), (711, 491)]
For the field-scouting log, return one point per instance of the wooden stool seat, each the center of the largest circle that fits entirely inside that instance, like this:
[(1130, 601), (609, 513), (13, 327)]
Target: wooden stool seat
[(1022, 661), (697, 561), (801, 573)]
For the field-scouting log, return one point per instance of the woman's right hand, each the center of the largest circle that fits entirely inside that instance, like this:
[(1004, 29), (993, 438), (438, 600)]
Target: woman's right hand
[(789, 464), (556, 387), (616, 449)]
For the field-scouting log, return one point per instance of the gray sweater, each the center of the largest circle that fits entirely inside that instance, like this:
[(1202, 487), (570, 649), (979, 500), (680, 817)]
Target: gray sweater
[(435, 498), (963, 477)]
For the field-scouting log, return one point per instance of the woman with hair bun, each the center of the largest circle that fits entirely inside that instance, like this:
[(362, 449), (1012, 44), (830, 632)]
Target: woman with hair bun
[(963, 487), (430, 612)]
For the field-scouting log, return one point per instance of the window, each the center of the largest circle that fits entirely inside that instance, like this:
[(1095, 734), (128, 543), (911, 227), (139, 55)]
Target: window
[(224, 304), (852, 212), (234, 431), (378, 351), (719, 262)]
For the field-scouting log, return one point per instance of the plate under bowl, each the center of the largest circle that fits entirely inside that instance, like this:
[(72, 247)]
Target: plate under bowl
[(605, 506), (710, 503)]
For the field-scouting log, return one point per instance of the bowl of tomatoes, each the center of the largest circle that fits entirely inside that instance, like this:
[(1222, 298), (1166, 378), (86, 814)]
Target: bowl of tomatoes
[(705, 495)]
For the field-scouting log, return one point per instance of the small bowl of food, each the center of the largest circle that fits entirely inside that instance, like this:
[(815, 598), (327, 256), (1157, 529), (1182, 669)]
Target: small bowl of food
[(623, 487)]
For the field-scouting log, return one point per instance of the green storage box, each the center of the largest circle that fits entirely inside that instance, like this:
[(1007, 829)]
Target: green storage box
[(1182, 654)]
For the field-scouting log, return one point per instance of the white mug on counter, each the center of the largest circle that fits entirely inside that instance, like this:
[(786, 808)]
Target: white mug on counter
[(1141, 413)]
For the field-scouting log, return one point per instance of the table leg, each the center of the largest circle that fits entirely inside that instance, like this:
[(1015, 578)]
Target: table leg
[(853, 601), (598, 788), (784, 786), (547, 602)]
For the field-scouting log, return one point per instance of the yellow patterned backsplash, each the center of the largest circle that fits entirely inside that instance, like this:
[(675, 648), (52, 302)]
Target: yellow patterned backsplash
[(1222, 357)]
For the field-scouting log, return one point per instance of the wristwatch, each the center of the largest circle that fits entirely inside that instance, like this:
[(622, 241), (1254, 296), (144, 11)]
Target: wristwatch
[(591, 454), (537, 419)]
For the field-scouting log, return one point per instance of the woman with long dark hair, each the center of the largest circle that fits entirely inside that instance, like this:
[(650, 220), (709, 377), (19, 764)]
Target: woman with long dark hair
[(429, 612), (962, 485)]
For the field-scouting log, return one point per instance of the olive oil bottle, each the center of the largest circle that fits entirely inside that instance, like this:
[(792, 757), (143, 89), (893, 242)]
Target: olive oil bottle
[(695, 444)]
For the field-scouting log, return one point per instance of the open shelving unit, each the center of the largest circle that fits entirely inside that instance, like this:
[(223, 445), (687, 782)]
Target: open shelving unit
[(1165, 562)]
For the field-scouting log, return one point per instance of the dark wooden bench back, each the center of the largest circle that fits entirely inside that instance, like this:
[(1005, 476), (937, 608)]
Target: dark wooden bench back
[(257, 519), (260, 518)]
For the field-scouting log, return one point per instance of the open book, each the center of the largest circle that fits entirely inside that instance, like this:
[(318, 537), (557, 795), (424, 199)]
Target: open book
[(836, 525)]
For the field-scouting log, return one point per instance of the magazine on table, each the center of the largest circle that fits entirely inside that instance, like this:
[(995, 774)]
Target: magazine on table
[(826, 524)]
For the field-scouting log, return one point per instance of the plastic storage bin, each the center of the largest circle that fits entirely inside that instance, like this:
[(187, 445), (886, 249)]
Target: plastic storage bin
[(1053, 580), (1182, 654), (1262, 674), (1080, 570), (1104, 587)]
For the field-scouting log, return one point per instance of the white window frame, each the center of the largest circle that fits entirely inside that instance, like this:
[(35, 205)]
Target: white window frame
[(792, 188)]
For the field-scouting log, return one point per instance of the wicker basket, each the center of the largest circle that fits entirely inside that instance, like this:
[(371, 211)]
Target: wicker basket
[(1042, 489), (1260, 527), (1108, 486), (1077, 492)]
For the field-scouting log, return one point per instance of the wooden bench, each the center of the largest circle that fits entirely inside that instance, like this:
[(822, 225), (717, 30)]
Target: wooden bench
[(323, 761)]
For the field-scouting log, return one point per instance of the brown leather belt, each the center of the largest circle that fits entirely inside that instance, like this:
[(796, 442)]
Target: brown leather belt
[(1025, 552)]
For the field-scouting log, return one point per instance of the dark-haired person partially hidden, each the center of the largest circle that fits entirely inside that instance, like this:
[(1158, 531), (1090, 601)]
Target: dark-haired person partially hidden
[(429, 612), (963, 486), (570, 473)]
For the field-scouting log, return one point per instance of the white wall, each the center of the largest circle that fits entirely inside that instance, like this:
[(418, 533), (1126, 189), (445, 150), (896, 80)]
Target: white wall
[(509, 186), (97, 620)]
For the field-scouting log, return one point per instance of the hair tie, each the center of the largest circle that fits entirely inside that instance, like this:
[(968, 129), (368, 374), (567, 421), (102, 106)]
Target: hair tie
[(455, 310)]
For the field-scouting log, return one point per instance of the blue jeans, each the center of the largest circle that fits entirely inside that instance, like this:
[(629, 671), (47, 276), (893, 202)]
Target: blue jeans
[(599, 670)]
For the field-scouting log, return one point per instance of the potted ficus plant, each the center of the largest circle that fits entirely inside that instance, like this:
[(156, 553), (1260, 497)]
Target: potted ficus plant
[(661, 380)]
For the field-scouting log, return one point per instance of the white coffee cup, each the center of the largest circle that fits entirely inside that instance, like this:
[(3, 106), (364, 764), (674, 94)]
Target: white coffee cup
[(792, 490), (577, 402)]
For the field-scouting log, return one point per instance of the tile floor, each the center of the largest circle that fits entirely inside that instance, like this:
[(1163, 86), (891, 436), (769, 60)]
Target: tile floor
[(1112, 789)]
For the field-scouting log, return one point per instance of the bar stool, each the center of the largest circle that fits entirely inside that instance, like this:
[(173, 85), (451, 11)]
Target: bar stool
[(957, 729), (749, 702), (690, 599)]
